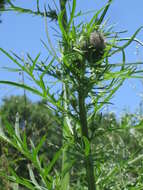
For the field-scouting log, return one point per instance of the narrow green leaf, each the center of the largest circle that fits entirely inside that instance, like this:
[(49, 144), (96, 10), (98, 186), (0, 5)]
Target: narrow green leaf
[(17, 56), (128, 43), (126, 73), (15, 178), (22, 86), (52, 51), (127, 64), (87, 146), (123, 59), (14, 60), (111, 94), (2, 134), (69, 165), (135, 39), (104, 12), (33, 61), (41, 84), (25, 141), (11, 69), (38, 147), (138, 158), (60, 17), (53, 161), (108, 176), (67, 121), (72, 13), (17, 131), (32, 177), (93, 22)]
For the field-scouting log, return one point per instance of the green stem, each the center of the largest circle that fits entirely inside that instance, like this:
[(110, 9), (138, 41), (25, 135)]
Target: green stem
[(63, 8), (66, 178), (84, 129)]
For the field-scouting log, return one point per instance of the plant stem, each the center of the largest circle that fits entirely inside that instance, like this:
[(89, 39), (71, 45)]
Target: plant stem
[(66, 178), (84, 129), (63, 8)]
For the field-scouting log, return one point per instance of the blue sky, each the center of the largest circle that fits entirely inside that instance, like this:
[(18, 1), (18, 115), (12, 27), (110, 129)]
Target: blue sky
[(21, 33)]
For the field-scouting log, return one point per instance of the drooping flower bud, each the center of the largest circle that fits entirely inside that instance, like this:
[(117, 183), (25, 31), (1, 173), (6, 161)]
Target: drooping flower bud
[(96, 40), (96, 47), (92, 46)]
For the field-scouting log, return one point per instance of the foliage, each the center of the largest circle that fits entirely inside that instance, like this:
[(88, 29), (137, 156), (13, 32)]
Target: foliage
[(115, 148), (88, 81), (36, 120)]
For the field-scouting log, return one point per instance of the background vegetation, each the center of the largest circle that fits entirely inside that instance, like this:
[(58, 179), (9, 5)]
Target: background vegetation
[(118, 142)]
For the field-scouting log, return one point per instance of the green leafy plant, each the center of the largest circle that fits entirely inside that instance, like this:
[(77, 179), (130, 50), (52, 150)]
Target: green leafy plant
[(32, 117), (88, 81)]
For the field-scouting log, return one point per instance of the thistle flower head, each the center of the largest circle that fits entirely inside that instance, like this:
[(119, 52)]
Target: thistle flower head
[(96, 40), (92, 46)]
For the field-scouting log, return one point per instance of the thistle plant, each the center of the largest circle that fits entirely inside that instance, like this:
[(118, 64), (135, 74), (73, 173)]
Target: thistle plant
[(88, 81)]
